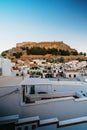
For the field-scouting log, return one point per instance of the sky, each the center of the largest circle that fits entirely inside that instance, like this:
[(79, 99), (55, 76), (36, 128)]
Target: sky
[(43, 20)]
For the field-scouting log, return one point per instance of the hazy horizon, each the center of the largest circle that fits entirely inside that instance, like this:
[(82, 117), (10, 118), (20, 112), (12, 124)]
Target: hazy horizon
[(43, 20)]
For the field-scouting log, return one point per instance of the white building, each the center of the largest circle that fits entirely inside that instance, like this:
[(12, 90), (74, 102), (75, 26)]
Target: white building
[(5, 66), (62, 107), (72, 73), (39, 62)]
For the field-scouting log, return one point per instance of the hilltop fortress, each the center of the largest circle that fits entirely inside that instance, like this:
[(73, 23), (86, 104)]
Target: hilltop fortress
[(46, 45)]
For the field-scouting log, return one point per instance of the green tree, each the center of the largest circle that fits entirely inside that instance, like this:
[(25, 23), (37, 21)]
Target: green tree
[(52, 51), (64, 52), (4, 53), (84, 54), (81, 53), (17, 55), (61, 59), (28, 51), (36, 51), (74, 53)]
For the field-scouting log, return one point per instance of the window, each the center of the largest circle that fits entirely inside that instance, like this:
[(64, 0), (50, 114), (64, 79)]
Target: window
[(74, 75), (54, 71), (23, 93), (0, 71), (69, 75), (32, 89)]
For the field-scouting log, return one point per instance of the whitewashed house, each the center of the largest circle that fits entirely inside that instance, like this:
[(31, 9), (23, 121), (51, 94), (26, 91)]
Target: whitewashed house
[(5, 66), (72, 65), (36, 85), (40, 62), (82, 64), (72, 73)]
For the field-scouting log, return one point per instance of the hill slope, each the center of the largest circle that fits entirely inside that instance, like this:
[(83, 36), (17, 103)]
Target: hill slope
[(27, 51)]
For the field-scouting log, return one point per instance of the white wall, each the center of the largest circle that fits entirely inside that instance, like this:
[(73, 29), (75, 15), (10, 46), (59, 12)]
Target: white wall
[(69, 87), (43, 88), (72, 74), (5, 64), (9, 103), (82, 126), (63, 109)]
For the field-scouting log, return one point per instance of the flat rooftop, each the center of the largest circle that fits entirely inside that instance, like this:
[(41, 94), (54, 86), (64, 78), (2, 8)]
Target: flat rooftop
[(35, 81), (10, 80)]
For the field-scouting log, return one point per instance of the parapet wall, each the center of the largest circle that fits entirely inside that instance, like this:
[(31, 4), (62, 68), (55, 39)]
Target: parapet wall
[(37, 124)]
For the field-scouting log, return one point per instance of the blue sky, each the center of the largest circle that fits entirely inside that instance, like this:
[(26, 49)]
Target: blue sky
[(43, 20)]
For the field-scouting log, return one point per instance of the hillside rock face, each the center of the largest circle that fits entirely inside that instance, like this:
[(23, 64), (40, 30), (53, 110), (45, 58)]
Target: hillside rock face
[(46, 45), (19, 50)]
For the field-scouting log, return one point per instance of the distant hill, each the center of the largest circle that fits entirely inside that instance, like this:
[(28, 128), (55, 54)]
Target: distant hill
[(27, 51), (54, 44)]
